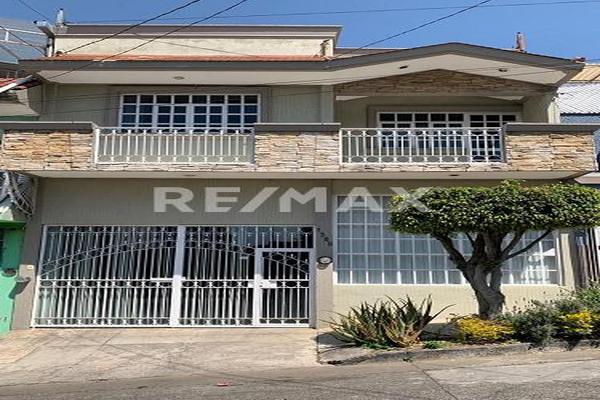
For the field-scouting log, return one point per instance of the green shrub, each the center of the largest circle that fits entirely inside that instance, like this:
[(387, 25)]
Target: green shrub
[(567, 304), (474, 330), (435, 344), (568, 317), (386, 323), (590, 297), (535, 324)]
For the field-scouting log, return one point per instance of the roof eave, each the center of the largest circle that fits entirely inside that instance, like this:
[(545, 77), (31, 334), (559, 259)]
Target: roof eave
[(57, 65), (570, 67), (491, 53)]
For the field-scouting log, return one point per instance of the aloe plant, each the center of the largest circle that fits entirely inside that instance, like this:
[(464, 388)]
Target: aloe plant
[(386, 323)]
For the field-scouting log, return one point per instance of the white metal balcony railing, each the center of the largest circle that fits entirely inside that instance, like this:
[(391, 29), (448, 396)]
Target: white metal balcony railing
[(422, 145), (174, 145), (357, 145)]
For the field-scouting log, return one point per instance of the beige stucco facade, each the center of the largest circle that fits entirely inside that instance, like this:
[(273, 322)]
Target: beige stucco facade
[(100, 103), (460, 298), (131, 202), (362, 112), (300, 103)]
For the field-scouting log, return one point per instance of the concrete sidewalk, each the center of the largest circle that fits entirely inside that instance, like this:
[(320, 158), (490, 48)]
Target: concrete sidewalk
[(69, 355), (538, 376)]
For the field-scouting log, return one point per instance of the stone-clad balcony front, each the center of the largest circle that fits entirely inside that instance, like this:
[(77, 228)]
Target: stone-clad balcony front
[(517, 150)]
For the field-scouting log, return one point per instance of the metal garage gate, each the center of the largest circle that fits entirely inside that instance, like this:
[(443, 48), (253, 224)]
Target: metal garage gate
[(175, 276)]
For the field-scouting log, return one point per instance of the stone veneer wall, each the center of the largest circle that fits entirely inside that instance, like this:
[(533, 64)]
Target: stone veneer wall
[(295, 152), (437, 82), (46, 150), (538, 151)]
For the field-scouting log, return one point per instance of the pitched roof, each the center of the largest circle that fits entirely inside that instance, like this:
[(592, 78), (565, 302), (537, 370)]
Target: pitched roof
[(579, 98)]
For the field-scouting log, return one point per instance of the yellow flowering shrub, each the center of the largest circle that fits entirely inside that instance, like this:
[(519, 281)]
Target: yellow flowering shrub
[(578, 323), (473, 329)]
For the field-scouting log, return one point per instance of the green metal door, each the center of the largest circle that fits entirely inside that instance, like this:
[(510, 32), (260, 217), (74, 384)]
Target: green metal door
[(11, 240)]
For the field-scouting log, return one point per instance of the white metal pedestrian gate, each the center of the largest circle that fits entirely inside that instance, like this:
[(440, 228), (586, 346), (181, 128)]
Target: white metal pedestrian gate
[(175, 276)]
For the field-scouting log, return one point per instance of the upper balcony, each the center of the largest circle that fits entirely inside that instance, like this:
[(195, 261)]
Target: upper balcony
[(272, 150), (285, 102), (368, 146)]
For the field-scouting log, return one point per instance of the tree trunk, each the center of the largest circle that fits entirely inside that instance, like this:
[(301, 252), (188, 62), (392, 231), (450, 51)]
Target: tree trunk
[(489, 307), (483, 268), (486, 285)]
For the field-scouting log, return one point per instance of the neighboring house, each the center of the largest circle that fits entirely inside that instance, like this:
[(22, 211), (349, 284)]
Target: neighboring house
[(17, 40), (14, 103), (579, 99), (217, 113), (16, 206), (579, 102)]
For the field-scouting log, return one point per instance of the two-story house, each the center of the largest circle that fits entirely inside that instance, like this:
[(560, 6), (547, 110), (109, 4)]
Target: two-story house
[(216, 175)]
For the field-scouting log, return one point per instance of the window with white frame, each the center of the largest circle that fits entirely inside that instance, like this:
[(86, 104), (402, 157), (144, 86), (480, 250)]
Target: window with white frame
[(490, 120), (399, 120), (368, 252), (201, 111), (484, 144)]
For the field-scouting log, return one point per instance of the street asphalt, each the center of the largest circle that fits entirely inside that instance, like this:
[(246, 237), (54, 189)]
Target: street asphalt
[(536, 375)]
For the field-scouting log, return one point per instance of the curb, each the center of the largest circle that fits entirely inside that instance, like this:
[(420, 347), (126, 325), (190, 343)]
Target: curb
[(353, 355)]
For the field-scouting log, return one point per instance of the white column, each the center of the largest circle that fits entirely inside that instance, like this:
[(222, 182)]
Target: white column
[(257, 291), (177, 277)]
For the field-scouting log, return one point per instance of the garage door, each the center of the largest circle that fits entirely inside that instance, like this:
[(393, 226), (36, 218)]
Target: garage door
[(175, 276)]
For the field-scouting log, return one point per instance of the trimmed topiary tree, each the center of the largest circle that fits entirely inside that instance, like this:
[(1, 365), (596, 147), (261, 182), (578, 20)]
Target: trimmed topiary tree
[(494, 219)]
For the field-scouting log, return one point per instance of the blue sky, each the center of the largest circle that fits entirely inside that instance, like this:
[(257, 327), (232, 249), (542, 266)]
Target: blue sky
[(566, 30)]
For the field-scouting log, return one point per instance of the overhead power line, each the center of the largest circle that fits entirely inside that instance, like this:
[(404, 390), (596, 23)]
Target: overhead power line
[(363, 11), (421, 26), (41, 14), (37, 47), (171, 11), (148, 41)]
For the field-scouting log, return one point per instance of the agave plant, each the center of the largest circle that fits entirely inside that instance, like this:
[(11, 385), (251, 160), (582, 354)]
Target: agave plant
[(386, 323)]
